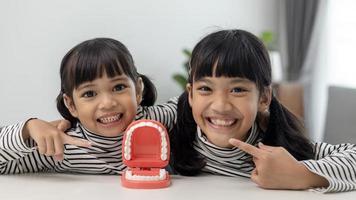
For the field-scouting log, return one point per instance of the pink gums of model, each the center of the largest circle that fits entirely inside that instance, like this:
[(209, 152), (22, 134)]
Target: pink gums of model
[(145, 151)]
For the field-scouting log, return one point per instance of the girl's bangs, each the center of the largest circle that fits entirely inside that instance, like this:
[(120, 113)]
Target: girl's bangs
[(88, 66), (225, 61), (232, 53)]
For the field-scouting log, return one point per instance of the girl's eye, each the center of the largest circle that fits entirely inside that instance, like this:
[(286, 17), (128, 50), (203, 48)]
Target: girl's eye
[(88, 94), (238, 90), (119, 87), (204, 89)]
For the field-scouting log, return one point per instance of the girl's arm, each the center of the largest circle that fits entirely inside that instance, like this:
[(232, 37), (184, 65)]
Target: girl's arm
[(165, 113), (17, 155), (333, 170), (276, 168), (20, 149), (49, 139), (337, 164)]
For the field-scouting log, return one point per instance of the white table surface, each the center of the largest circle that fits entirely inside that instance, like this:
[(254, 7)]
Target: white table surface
[(66, 186)]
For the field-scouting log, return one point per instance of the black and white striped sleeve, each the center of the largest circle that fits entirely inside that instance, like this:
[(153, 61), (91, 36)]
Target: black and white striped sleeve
[(17, 155), (337, 163), (11, 138), (165, 113)]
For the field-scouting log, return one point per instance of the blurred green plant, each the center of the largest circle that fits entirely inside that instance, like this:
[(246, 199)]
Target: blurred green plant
[(182, 78), (268, 39)]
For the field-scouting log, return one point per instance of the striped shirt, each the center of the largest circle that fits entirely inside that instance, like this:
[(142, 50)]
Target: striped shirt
[(103, 157), (336, 163)]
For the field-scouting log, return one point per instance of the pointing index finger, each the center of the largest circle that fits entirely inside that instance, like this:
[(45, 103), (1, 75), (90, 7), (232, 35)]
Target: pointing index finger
[(75, 141), (248, 148)]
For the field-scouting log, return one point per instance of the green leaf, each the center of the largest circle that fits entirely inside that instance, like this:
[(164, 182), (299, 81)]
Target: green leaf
[(187, 53), (181, 80), (267, 37)]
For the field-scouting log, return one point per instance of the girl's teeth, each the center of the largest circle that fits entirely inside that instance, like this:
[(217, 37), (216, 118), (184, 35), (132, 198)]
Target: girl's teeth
[(109, 119), (220, 122)]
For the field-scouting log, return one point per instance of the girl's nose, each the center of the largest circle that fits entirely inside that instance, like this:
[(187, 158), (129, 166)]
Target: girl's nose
[(107, 102), (221, 103)]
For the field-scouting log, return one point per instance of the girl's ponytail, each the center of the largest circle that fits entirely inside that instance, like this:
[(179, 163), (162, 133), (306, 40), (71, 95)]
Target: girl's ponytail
[(149, 93), (63, 110), (286, 130), (185, 159)]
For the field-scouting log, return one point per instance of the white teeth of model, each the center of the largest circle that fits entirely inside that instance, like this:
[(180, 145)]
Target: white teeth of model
[(128, 150), (156, 126), (161, 176), (128, 137), (129, 132), (128, 174), (164, 150), (128, 143), (127, 156), (164, 153), (163, 156), (150, 124), (164, 143)]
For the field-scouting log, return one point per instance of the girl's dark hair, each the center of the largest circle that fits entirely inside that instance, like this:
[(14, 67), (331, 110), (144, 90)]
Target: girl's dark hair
[(90, 60), (234, 53)]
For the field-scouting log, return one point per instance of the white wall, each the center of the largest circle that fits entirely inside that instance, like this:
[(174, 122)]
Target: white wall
[(35, 35)]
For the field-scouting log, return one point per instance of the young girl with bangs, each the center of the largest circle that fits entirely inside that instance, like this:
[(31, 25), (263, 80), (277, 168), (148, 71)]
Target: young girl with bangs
[(230, 123), (101, 94)]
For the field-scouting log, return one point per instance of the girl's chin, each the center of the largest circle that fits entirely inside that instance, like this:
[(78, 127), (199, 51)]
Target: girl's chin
[(220, 138), (110, 133), (221, 142)]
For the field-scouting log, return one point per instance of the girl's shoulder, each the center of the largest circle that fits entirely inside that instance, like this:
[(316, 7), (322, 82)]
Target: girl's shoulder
[(75, 131), (152, 112), (322, 149)]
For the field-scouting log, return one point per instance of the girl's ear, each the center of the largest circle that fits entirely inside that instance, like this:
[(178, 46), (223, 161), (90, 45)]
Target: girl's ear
[(189, 90), (265, 100), (68, 102), (139, 90)]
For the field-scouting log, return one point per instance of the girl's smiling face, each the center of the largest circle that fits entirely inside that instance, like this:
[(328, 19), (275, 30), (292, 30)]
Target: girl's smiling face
[(225, 108), (105, 106)]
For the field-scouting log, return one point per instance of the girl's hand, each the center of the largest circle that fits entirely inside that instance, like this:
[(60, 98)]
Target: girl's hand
[(276, 168), (61, 124), (50, 137)]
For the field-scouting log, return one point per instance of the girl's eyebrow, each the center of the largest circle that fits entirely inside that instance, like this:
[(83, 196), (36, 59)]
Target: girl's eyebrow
[(206, 80), (119, 78), (234, 80), (85, 85), (240, 80)]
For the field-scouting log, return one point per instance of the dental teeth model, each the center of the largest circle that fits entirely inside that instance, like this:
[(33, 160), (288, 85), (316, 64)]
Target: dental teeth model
[(146, 152)]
